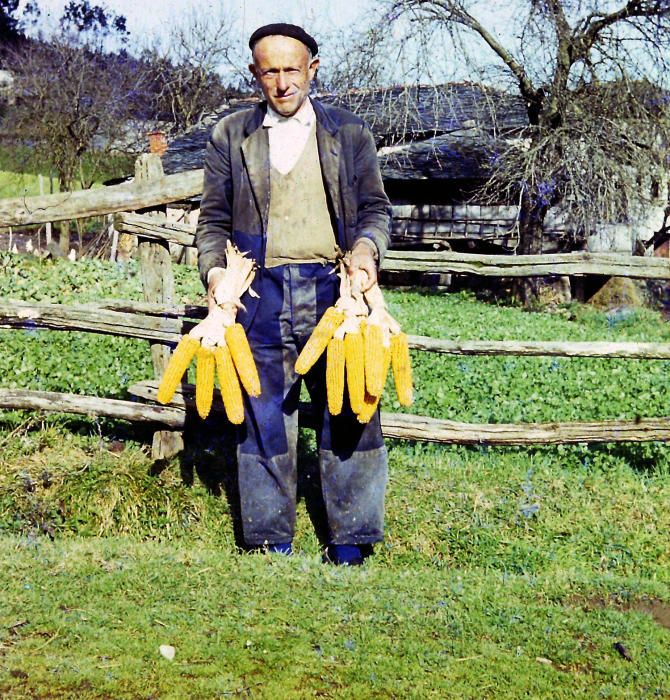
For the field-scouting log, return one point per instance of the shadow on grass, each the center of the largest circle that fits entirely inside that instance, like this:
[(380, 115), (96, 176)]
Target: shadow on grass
[(210, 456)]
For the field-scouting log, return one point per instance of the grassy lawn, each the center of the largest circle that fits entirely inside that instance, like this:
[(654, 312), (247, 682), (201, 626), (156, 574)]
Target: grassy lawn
[(19, 184), (506, 573), (20, 168)]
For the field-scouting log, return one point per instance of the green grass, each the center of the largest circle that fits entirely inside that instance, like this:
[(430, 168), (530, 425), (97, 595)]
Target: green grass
[(470, 588), (505, 573), (20, 184), (20, 169)]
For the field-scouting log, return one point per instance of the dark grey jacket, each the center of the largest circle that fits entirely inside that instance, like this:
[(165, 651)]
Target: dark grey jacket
[(236, 196)]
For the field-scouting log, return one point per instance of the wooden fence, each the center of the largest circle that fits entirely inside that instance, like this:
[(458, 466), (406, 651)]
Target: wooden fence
[(161, 321)]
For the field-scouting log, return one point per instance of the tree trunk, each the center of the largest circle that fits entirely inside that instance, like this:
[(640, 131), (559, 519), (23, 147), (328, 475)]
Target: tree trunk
[(531, 229)]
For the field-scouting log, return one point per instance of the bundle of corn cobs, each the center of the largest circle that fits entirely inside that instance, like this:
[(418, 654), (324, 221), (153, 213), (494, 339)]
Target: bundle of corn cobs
[(220, 345), (362, 340)]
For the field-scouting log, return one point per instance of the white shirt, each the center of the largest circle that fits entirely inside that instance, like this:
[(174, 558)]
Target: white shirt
[(288, 135)]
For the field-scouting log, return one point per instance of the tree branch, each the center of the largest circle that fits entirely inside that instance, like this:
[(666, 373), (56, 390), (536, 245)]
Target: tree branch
[(594, 24), (449, 10)]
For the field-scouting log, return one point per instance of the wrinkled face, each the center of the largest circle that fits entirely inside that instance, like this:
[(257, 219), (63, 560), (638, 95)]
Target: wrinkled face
[(284, 71)]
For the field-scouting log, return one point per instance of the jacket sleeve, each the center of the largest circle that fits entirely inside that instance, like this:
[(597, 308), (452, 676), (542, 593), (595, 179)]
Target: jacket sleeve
[(374, 208), (215, 219)]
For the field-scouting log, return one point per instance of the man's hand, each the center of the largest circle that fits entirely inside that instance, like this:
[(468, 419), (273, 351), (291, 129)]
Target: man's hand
[(363, 258), (214, 277), (211, 331)]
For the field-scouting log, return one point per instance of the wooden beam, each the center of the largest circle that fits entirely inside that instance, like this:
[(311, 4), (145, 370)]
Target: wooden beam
[(151, 308), (606, 264), (553, 264), (152, 321), (537, 348), (413, 427), (129, 196), (92, 318), (155, 228), (20, 399)]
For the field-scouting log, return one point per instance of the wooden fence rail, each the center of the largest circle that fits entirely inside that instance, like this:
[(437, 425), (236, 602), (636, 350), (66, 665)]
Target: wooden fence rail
[(158, 323), (394, 425), (449, 262), (128, 196), (120, 199), (23, 399)]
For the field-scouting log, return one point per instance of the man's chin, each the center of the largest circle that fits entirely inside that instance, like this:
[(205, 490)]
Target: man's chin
[(287, 108)]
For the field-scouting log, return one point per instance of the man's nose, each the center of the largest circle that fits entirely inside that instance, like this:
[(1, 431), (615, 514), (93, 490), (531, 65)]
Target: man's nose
[(282, 82)]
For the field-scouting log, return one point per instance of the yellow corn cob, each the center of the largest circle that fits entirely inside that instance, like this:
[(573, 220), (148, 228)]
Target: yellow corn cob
[(178, 364), (231, 393), (371, 401), (319, 339), (237, 342), (204, 381), (335, 375), (402, 368), (354, 353), (374, 360), (370, 404)]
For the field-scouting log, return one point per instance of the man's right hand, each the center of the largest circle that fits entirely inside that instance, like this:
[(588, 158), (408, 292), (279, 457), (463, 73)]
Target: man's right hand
[(214, 278)]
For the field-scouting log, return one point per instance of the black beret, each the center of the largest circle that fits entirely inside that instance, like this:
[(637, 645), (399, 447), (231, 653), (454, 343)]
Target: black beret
[(283, 29)]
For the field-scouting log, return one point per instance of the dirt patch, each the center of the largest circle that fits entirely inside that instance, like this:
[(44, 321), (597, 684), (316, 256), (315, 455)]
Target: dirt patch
[(656, 609)]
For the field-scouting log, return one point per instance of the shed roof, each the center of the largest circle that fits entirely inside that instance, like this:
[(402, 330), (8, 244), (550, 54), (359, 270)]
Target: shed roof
[(436, 132)]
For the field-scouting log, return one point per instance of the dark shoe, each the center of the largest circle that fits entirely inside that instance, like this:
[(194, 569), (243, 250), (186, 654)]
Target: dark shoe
[(285, 548), (343, 555)]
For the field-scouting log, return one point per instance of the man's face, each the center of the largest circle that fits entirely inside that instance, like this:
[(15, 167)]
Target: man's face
[(284, 72)]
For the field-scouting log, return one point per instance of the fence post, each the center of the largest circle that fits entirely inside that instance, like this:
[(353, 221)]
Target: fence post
[(158, 287), (48, 225)]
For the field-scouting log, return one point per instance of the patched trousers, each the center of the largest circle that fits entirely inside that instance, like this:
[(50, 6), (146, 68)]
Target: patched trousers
[(352, 457)]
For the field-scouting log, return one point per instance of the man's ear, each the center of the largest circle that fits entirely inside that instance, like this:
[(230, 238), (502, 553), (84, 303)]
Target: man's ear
[(313, 67), (253, 70)]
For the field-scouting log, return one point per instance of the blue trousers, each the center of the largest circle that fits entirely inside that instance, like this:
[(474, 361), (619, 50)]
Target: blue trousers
[(352, 457)]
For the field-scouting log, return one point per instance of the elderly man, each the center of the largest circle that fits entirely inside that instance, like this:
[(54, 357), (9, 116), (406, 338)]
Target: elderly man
[(296, 183)]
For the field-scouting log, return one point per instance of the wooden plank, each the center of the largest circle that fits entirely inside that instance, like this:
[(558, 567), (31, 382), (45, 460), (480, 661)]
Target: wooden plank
[(151, 321), (21, 399), (537, 348), (151, 309), (412, 427), (155, 228), (91, 318), (449, 262), (22, 211), (184, 396), (528, 265)]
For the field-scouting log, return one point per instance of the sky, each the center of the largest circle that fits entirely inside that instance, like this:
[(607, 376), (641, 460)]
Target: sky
[(154, 16)]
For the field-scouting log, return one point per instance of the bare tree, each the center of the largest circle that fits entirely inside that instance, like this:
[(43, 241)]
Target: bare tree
[(594, 78), (74, 100), (72, 107), (186, 68)]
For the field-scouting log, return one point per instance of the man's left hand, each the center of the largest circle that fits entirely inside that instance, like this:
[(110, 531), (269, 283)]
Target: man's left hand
[(362, 258)]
